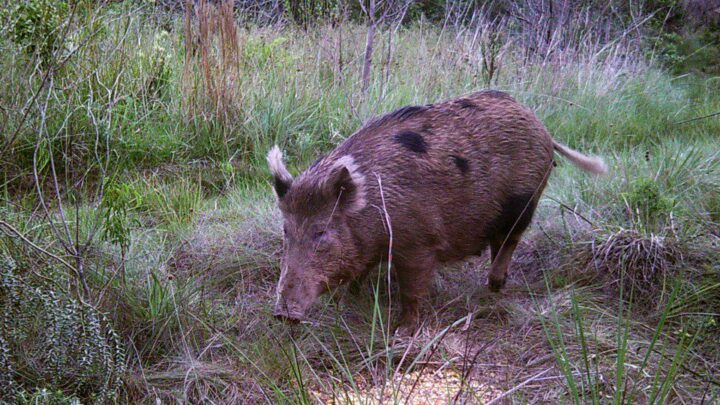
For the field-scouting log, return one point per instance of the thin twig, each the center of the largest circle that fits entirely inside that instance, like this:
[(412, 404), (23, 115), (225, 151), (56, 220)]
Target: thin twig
[(36, 247), (567, 207), (698, 118), (517, 387)]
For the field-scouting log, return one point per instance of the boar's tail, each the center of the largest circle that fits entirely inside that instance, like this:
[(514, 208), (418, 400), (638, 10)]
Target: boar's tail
[(590, 164)]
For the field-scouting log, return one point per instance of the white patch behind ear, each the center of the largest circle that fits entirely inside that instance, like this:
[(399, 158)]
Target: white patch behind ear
[(358, 200), (277, 166)]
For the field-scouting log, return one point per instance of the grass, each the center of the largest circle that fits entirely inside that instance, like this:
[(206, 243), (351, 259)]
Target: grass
[(612, 296)]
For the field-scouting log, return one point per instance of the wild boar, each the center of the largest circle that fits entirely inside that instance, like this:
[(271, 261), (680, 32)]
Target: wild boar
[(438, 183)]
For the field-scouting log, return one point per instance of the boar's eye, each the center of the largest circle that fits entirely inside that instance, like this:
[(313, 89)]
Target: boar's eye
[(318, 233)]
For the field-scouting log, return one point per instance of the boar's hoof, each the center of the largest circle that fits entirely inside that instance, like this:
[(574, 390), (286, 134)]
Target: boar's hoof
[(496, 283), (287, 317), (407, 327), (405, 330)]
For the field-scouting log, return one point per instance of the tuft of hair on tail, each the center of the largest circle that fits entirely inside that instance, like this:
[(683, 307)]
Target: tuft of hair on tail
[(590, 164)]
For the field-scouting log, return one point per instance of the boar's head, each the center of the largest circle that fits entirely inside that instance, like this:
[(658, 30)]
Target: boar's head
[(320, 250)]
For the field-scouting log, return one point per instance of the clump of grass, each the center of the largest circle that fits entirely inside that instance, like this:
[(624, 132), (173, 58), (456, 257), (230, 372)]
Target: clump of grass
[(642, 367), (641, 263), (211, 79), (174, 203)]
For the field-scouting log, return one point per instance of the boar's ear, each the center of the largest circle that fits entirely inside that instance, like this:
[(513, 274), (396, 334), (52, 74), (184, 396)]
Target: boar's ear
[(281, 175), (347, 184)]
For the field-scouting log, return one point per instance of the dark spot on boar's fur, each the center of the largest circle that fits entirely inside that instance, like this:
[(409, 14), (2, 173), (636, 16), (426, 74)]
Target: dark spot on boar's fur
[(412, 141), (461, 163), (407, 112), (399, 115), (496, 94), (465, 103), (515, 215)]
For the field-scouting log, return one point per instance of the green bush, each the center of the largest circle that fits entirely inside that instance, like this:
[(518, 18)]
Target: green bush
[(51, 342), (649, 207), (37, 25), (695, 52), (119, 201)]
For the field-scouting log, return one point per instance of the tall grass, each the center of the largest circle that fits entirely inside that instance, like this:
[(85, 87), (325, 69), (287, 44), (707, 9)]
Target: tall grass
[(204, 87)]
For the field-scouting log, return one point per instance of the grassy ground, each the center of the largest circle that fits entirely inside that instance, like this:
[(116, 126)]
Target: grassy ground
[(140, 239)]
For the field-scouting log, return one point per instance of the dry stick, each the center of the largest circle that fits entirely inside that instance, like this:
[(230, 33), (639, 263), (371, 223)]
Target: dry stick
[(389, 254), (390, 246), (38, 187), (71, 247), (390, 243), (698, 118), (567, 207), (519, 386)]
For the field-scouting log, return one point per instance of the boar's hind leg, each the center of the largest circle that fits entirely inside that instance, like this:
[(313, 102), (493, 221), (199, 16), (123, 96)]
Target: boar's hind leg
[(516, 215), (415, 275), (501, 255)]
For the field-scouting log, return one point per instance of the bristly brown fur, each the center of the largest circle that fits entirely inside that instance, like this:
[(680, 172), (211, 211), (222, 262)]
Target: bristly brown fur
[(457, 177)]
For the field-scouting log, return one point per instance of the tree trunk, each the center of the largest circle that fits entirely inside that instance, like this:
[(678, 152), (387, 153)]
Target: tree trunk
[(367, 66)]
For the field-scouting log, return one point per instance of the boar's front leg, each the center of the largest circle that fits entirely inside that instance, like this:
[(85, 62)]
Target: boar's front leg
[(415, 275)]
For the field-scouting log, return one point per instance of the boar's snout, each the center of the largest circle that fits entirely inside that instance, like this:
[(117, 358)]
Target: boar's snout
[(294, 298)]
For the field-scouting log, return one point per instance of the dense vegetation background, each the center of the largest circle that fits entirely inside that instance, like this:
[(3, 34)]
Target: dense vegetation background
[(139, 240)]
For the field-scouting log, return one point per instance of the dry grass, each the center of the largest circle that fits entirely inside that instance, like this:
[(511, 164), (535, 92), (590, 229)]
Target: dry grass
[(211, 79), (475, 346), (639, 264)]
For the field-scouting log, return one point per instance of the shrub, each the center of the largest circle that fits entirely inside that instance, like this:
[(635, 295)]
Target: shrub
[(36, 25), (648, 207), (52, 342)]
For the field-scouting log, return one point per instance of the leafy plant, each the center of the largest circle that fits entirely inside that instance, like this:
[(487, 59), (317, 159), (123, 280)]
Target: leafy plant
[(119, 201), (36, 25), (52, 341), (648, 207)]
